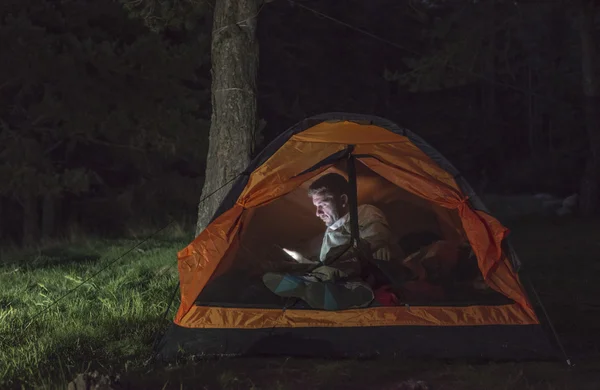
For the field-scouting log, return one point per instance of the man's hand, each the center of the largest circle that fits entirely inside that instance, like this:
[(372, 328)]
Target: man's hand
[(298, 257)]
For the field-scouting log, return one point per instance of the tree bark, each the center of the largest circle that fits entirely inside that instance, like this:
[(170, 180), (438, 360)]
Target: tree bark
[(30, 220), (530, 111), (590, 184), (233, 128), (490, 92), (48, 216), (3, 219), (491, 127)]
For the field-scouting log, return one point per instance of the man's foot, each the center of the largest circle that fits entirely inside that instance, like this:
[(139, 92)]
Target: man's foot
[(288, 285)]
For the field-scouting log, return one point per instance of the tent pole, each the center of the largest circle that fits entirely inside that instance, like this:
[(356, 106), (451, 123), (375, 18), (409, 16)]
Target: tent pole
[(353, 197), (354, 227), (550, 324)]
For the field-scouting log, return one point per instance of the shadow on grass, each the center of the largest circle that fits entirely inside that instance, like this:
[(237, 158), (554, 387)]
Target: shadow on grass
[(384, 374)]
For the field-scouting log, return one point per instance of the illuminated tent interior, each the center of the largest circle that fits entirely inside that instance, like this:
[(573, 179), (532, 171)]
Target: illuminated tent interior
[(290, 222), (225, 309)]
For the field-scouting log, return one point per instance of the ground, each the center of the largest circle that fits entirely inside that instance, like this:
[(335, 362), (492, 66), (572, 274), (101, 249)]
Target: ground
[(109, 323)]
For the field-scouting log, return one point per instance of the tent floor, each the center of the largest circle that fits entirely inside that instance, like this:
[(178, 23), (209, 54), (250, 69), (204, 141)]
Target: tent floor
[(492, 342), (243, 290)]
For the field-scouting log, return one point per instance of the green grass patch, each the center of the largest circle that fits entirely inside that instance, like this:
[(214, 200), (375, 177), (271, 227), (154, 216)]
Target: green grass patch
[(108, 322)]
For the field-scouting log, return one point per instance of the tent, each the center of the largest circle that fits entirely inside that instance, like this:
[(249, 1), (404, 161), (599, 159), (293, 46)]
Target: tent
[(225, 312)]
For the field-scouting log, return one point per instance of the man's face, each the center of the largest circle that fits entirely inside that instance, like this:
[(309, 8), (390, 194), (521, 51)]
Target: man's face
[(329, 208)]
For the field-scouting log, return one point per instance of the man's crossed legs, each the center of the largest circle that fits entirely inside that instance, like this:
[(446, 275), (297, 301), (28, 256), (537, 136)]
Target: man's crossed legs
[(336, 287)]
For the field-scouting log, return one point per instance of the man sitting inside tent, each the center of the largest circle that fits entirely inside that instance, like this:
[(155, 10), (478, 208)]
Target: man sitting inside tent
[(335, 283)]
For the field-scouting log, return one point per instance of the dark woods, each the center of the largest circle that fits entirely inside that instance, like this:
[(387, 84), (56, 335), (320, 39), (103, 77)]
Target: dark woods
[(104, 122), (105, 106)]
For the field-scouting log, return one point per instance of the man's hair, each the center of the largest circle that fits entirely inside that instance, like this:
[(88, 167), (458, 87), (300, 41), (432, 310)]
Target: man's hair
[(331, 184)]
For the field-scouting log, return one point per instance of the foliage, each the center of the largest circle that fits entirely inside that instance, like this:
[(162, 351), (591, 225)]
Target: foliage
[(159, 15), (501, 60), (105, 105), (91, 102), (477, 80)]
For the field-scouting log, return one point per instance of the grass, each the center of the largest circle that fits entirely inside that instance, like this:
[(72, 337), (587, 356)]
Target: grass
[(109, 323)]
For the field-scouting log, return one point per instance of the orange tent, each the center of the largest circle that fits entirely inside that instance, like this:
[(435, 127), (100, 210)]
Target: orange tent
[(267, 209)]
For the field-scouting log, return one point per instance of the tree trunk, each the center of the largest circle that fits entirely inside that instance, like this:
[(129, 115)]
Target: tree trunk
[(491, 66), (491, 127), (3, 219), (530, 111), (233, 126), (48, 216), (590, 184), (30, 220)]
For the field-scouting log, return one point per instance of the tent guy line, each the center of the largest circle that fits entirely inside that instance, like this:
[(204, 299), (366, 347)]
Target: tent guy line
[(550, 324), (54, 303), (400, 47)]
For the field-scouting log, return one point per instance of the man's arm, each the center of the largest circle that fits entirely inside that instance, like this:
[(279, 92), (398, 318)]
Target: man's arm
[(375, 235), (374, 239), (339, 253), (375, 230)]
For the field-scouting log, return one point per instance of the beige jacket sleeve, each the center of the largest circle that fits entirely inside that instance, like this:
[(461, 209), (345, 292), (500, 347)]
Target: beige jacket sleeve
[(374, 229)]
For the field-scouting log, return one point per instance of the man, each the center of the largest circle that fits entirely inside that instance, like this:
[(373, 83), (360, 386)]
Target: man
[(334, 283)]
